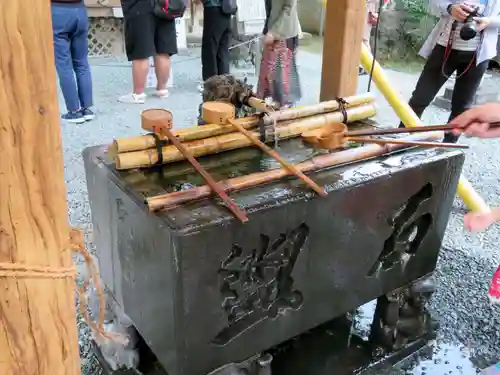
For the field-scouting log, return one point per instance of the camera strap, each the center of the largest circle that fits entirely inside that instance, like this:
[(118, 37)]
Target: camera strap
[(449, 48)]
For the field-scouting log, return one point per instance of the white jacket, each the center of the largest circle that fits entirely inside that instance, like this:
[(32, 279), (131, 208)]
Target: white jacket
[(488, 48)]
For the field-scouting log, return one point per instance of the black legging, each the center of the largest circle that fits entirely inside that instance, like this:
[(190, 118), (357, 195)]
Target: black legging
[(215, 56), (432, 79)]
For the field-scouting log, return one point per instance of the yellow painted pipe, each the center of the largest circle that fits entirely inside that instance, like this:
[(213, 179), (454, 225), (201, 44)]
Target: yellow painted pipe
[(465, 190)]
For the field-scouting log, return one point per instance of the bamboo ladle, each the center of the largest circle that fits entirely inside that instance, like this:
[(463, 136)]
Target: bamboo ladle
[(333, 136), (159, 121), (222, 113)]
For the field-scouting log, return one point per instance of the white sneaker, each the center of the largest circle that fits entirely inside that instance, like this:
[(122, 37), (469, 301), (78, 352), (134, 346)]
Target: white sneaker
[(133, 99), (162, 94)]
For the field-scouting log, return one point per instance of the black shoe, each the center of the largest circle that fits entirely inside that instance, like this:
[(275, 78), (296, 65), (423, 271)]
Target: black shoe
[(87, 114), (74, 117)]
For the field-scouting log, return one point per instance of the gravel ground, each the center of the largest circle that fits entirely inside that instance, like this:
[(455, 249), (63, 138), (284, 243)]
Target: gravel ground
[(468, 324)]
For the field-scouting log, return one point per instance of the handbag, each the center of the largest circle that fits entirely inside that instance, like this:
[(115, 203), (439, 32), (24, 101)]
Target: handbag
[(169, 9), (229, 7)]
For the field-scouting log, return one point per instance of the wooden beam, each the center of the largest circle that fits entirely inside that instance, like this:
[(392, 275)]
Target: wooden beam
[(344, 26), (38, 332)]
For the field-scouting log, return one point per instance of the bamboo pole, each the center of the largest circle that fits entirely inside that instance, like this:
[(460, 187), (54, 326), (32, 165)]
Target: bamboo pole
[(244, 182), (231, 141), (144, 142), (465, 190), (38, 332)]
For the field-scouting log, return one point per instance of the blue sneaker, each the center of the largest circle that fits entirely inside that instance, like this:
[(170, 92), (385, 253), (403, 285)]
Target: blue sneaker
[(74, 117), (87, 114)]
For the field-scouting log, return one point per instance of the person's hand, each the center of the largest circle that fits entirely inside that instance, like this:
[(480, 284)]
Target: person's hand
[(478, 222), (476, 121), (372, 18), (268, 40), (482, 23), (460, 11)]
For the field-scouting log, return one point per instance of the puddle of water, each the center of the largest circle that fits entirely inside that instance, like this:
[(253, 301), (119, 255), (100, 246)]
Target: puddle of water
[(442, 359), (438, 358), (363, 170)]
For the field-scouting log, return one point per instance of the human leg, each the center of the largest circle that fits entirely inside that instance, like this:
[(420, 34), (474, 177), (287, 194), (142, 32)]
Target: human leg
[(165, 46), (62, 23), (162, 71), (223, 57), (79, 55), (267, 68), (469, 76), (433, 77), (210, 42), (139, 45)]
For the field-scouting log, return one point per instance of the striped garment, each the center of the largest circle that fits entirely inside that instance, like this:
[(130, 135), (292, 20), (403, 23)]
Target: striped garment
[(457, 42)]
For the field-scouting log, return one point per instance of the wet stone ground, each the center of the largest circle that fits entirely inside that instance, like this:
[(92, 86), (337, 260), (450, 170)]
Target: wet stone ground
[(469, 337)]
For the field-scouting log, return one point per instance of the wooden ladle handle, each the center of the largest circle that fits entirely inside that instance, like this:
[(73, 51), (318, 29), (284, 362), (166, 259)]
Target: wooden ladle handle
[(416, 129), (290, 167), (402, 142)]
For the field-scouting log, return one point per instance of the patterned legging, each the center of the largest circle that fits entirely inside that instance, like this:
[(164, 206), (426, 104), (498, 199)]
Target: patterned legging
[(278, 76)]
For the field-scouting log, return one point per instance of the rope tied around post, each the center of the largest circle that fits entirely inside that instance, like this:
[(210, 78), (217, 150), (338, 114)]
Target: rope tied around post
[(76, 241)]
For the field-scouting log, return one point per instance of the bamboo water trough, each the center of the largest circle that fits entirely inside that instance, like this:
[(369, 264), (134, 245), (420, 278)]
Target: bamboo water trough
[(232, 140)]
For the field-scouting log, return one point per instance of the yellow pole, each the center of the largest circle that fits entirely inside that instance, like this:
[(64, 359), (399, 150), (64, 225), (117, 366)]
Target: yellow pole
[(465, 190)]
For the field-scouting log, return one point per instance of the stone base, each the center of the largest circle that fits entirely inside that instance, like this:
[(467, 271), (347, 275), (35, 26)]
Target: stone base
[(484, 95), (204, 290)]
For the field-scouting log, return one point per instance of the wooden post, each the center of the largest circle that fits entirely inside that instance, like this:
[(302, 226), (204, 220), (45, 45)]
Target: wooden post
[(343, 35), (38, 333)]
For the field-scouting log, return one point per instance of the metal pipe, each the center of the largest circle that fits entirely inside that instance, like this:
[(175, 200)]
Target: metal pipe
[(465, 190)]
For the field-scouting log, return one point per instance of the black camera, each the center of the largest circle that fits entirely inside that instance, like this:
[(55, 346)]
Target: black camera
[(469, 30)]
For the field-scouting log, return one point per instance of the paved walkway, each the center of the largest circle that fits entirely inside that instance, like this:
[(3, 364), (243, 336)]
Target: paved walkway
[(466, 263)]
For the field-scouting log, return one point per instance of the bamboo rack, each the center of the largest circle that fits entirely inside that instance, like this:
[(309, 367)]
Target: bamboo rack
[(319, 162), (231, 141), (144, 142)]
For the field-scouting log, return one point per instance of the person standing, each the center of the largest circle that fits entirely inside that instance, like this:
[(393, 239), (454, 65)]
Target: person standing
[(371, 20), (215, 57), (70, 28), (147, 35), (448, 52), (278, 75)]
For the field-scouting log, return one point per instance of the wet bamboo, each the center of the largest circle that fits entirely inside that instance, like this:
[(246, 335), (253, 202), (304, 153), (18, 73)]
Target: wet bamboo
[(144, 142), (214, 185), (38, 331), (290, 167), (316, 109), (147, 158), (256, 179)]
